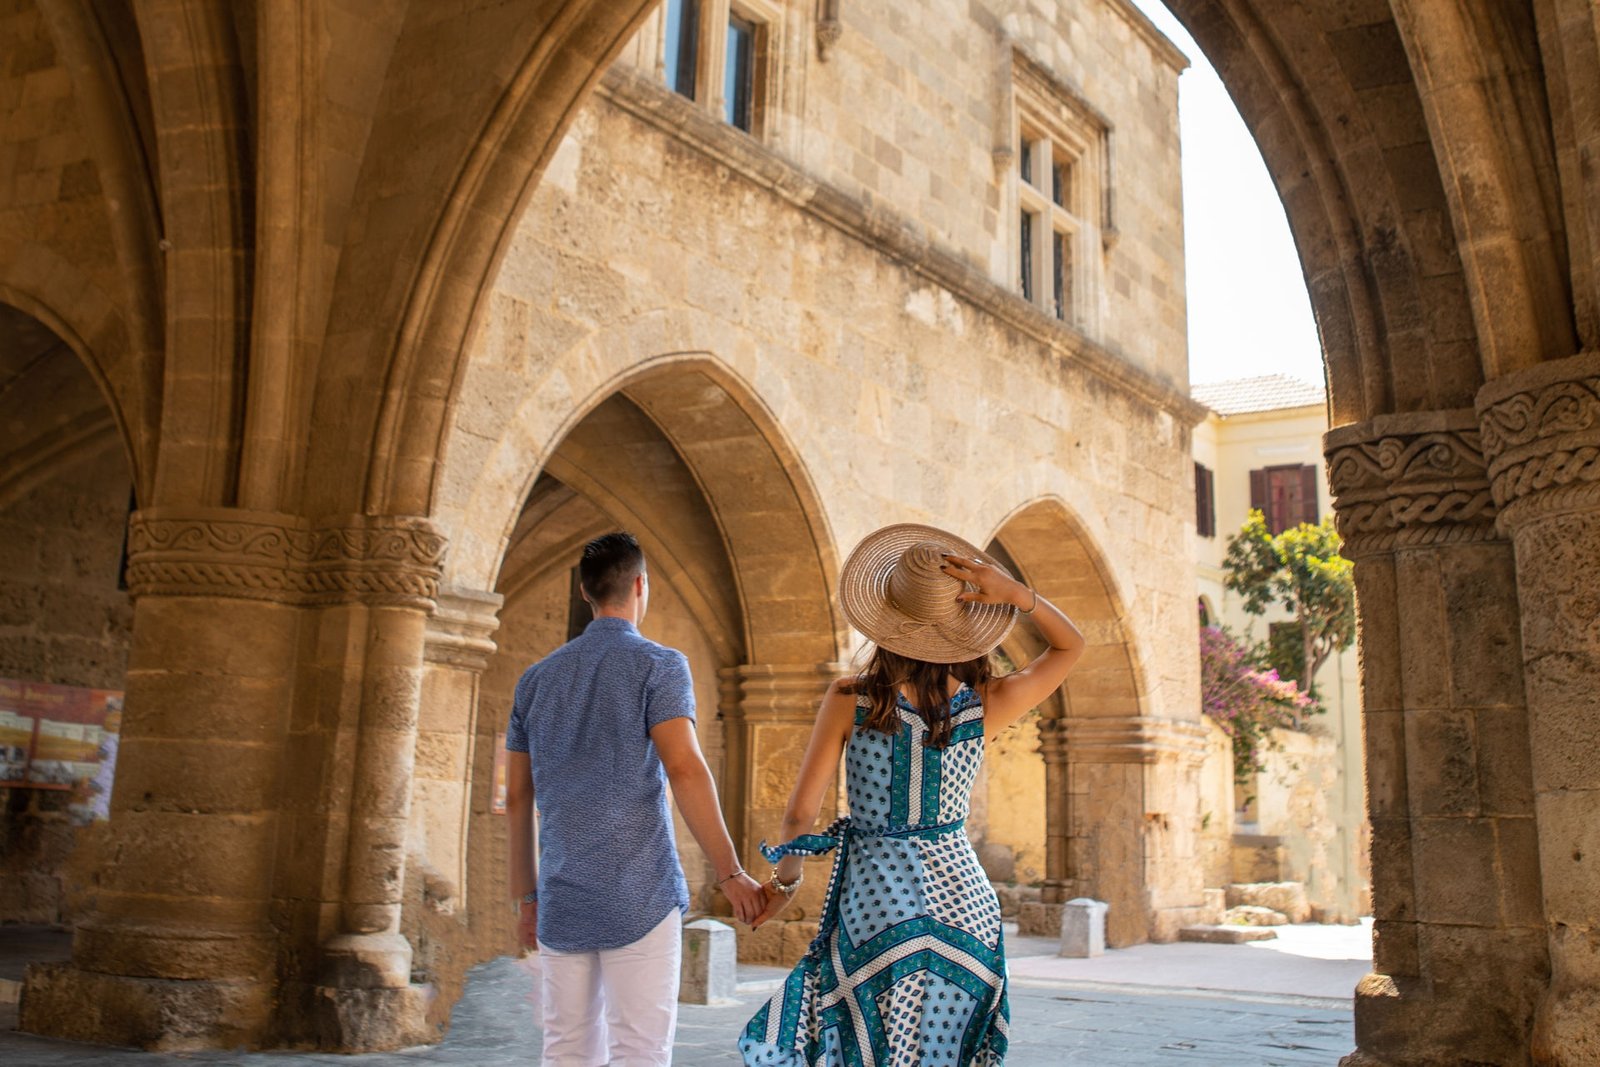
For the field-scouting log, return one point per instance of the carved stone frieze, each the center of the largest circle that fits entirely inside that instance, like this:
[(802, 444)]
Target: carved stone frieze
[(1409, 479), (1541, 434), (268, 556)]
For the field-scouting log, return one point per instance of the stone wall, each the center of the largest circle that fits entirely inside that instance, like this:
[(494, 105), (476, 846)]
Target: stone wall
[(693, 263), (1007, 824), (63, 620)]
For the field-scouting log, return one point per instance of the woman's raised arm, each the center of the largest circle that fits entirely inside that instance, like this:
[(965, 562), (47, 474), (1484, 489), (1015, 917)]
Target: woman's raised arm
[(1009, 698)]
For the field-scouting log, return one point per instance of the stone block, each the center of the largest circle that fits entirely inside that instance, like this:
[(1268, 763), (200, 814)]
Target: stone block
[(1253, 915), (1035, 919), (1083, 928), (1442, 762), (1289, 898), (1258, 858), (709, 972), (1226, 935), (1215, 904)]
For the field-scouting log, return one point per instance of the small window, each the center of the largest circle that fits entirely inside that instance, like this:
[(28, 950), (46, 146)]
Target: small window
[(1060, 183), (1025, 161), (1026, 238), (683, 45), (1205, 501), (1286, 496), (739, 73)]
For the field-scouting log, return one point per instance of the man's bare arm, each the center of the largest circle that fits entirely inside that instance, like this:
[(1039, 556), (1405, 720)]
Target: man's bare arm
[(695, 792), (524, 872)]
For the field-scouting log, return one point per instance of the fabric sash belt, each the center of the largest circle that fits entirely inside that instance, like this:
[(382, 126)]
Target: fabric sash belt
[(838, 836)]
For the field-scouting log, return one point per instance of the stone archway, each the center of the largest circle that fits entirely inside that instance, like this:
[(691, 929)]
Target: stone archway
[(1112, 770), (681, 453)]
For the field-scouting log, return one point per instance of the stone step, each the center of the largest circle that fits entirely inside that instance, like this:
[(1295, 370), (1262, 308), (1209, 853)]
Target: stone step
[(1287, 897), (1226, 935), (1253, 915)]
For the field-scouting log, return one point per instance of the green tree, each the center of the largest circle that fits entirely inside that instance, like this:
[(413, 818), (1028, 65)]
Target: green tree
[(1302, 570)]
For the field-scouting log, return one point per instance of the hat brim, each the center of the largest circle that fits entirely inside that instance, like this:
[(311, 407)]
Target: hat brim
[(864, 596)]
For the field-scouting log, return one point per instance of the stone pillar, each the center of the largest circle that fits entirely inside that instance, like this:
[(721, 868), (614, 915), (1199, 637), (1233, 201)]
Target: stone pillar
[(1058, 886), (1135, 834), (1458, 951), (183, 948), (459, 644), (364, 997), (768, 712), (1541, 435), (179, 951)]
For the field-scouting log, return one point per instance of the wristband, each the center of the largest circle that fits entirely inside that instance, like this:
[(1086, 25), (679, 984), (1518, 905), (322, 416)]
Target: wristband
[(732, 876)]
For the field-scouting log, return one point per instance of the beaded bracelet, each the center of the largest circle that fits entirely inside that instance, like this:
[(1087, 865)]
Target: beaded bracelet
[(786, 888)]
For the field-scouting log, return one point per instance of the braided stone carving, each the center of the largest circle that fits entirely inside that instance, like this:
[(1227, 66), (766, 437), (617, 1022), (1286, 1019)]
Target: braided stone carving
[(1541, 432), (1410, 480), (382, 560)]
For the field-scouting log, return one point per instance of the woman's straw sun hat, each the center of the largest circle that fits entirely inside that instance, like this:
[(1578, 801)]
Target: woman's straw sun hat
[(893, 591)]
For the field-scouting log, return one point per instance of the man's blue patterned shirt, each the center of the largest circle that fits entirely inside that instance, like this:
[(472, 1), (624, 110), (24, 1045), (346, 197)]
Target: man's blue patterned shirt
[(608, 861)]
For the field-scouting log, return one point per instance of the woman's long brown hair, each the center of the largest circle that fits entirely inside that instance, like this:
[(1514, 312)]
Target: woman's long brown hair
[(928, 682)]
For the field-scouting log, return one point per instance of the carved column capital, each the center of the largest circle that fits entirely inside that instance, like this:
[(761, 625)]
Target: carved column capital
[(461, 629), (776, 692), (1541, 435), (229, 552), (1053, 740), (829, 28), (1416, 478)]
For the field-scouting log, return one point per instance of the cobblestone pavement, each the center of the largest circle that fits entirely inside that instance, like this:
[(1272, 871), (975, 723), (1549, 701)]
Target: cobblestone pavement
[(1053, 1024)]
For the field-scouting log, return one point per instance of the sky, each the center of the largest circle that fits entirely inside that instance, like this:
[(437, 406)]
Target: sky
[(1248, 309)]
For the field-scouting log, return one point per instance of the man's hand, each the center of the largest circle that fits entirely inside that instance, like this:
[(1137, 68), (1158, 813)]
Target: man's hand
[(745, 894), (528, 924), (772, 903)]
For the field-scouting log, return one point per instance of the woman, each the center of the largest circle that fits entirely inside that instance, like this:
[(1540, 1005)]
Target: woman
[(908, 967)]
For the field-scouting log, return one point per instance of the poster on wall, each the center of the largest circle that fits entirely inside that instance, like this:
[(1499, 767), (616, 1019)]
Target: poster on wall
[(59, 737)]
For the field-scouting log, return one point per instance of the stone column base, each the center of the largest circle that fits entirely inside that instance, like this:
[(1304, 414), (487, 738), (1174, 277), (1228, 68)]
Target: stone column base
[(160, 1014), (342, 1019)]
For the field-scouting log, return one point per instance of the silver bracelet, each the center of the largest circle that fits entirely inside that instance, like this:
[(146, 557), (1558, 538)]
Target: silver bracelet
[(1031, 607)]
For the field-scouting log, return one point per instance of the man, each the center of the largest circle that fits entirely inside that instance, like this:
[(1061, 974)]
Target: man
[(598, 728)]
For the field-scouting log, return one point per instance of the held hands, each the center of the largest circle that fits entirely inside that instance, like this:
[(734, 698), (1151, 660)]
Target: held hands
[(774, 902), (994, 587), (746, 896)]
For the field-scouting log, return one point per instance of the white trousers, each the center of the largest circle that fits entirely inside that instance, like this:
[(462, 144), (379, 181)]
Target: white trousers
[(617, 1006)]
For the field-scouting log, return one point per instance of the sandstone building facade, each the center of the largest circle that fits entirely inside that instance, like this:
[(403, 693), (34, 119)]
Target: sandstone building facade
[(346, 280), (1260, 447)]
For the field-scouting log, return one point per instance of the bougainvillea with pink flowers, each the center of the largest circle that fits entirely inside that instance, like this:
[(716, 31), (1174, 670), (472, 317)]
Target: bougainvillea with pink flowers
[(1245, 697)]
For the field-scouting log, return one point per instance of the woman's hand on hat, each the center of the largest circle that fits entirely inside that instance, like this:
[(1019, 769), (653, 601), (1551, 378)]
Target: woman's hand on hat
[(994, 586)]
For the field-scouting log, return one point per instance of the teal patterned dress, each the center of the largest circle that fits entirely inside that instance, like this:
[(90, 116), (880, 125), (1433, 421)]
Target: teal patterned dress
[(908, 968)]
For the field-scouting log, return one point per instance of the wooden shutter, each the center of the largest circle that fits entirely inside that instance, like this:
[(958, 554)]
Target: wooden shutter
[(1308, 495), (1260, 495), (1205, 505)]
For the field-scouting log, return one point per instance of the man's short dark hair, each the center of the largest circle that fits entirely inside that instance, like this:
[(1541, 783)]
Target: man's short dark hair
[(609, 565)]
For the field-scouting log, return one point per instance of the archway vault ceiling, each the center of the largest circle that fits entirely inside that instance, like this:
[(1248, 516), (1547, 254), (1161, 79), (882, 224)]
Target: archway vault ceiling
[(630, 476)]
